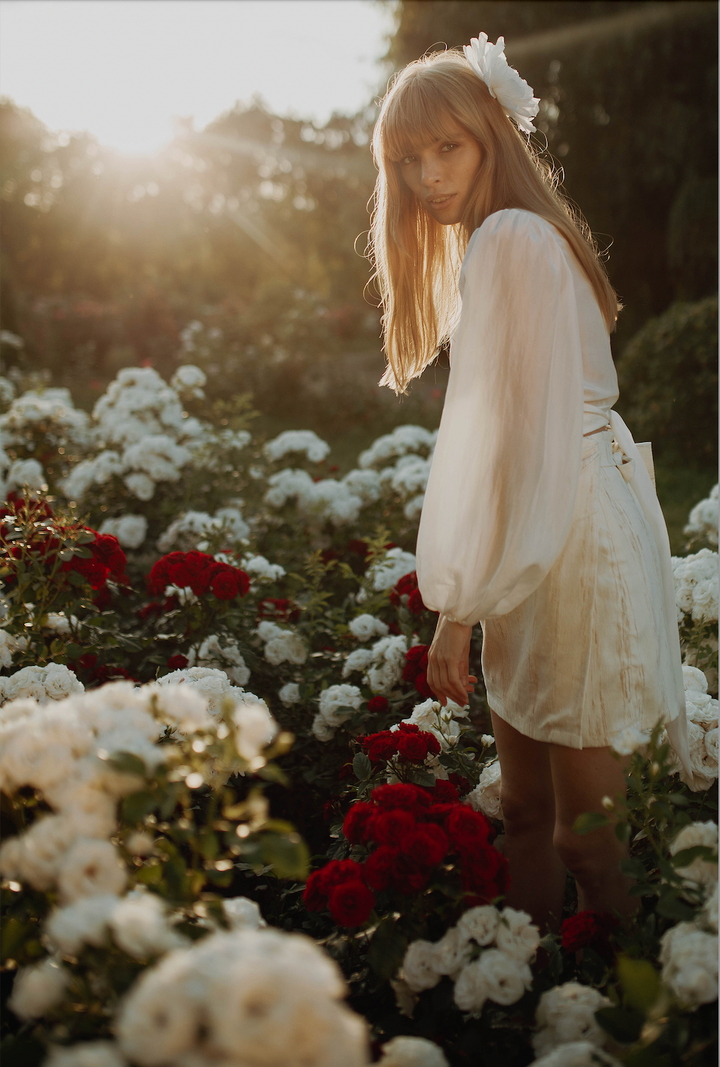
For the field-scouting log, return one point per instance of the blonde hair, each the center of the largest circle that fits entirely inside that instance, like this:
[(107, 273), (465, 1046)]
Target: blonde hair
[(416, 259)]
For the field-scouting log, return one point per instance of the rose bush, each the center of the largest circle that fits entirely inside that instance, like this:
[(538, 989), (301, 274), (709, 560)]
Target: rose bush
[(213, 680)]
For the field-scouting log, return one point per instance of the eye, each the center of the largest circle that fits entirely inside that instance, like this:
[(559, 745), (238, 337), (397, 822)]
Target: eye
[(449, 146), (405, 160)]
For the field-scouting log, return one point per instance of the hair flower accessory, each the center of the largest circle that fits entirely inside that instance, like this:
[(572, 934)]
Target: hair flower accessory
[(505, 84)]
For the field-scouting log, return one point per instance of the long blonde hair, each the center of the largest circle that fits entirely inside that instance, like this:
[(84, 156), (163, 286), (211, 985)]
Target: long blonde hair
[(416, 259)]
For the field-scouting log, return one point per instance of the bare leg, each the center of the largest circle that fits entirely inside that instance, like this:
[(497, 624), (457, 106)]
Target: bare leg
[(582, 777), (537, 876)]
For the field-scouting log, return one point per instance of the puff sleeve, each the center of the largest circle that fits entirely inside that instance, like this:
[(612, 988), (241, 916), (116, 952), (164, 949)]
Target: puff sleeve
[(504, 476)]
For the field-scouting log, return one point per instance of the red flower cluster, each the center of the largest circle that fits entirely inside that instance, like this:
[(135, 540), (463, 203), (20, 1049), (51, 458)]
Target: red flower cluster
[(410, 831), (107, 561), (408, 741), (201, 573), (589, 929), (280, 608), (408, 586), (99, 673), (378, 705), (415, 670)]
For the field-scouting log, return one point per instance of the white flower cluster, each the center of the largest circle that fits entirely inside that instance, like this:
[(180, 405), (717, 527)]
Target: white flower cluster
[(130, 530), (486, 797), (250, 997), (226, 657), (281, 645), (50, 412), (402, 440), (144, 436), (387, 571), (192, 529), (441, 722), (337, 704), (566, 1014), (507, 942), (9, 645), (702, 725), (327, 500), (261, 570), (703, 519), (54, 682), (689, 959), (188, 381), (699, 872), (696, 585), (304, 442), (366, 626), (577, 1054), (412, 1052), (213, 685), (382, 664), (21, 473)]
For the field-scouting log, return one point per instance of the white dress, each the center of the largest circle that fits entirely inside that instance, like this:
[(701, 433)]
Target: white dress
[(528, 525)]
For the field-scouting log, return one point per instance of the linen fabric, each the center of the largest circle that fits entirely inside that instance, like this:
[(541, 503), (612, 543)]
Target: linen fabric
[(528, 525)]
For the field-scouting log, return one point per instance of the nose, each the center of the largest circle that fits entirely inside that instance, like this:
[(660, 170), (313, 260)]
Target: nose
[(430, 172)]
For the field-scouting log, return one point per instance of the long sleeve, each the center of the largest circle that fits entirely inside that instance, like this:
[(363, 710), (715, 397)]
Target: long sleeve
[(503, 483)]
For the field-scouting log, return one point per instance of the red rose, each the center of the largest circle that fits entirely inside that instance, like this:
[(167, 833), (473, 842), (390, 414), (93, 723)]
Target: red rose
[(444, 792), (337, 871), (360, 548), (412, 747), (178, 662), (421, 684), (415, 603), (427, 845), (356, 822), (153, 608), (314, 896), (379, 867), (409, 727), (588, 928), (380, 747), (378, 705), (346, 771), (390, 827), (405, 587), (461, 783), (415, 661), (351, 903), (408, 876), (485, 875), (225, 585), (400, 795), (467, 829)]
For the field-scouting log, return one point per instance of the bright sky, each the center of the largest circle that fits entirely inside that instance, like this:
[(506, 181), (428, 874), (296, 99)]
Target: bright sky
[(121, 69)]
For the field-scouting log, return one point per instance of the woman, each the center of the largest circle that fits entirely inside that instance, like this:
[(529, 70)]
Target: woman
[(532, 524)]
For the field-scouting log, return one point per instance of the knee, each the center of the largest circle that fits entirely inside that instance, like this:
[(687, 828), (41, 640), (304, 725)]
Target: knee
[(526, 814), (585, 855)]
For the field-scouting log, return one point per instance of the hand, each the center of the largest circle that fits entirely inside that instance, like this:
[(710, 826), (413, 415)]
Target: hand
[(448, 662)]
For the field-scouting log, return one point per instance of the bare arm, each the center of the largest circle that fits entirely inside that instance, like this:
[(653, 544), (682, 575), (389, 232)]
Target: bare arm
[(448, 662)]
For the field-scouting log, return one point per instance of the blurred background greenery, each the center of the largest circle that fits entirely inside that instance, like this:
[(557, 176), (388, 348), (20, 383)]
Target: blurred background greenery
[(240, 247)]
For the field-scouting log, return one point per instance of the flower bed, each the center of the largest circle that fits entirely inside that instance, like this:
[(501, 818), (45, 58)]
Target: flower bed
[(239, 829)]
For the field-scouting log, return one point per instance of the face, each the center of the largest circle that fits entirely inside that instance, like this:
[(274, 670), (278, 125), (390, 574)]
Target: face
[(442, 175)]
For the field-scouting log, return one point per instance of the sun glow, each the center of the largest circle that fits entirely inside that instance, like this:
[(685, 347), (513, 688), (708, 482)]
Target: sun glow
[(128, 71)]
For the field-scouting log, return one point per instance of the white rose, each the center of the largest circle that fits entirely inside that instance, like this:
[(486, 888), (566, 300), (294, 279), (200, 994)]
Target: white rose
[(86, 1054), (694, 679), (709, 914), (690, 964), (452, 952), (37, 989), (26, 472), (366, 626), (243, 913), (566, 1013), (91, 868), (630, 740), (517, 936), (507, 979), (255, 729), (60, 682), (359, 660), (486, 797), (700, 871), (289, 694), (578, 1054), (82, 923), (130, 530), (411, 1052), (480, 924), (140, 927), (140, 485), (420, 966), (471, 987)]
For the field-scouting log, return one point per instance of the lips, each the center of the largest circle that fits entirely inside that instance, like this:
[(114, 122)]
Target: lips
[(439, 201)]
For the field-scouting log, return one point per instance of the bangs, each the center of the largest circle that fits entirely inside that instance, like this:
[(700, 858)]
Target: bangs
[(416, 115)]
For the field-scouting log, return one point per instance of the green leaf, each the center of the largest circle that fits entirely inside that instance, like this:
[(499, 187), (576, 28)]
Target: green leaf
[(362, 766), (75, 579), (387, 948), (73, 651), (422, 777), (209, 844), (670, 907), (687, 855), (289, 856), (625, 1026), (622, 832), (137, 805), (640, 983), (634, 868), (13, 935), (591, 820), (85, 537), (127, 763), (150, 875)]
